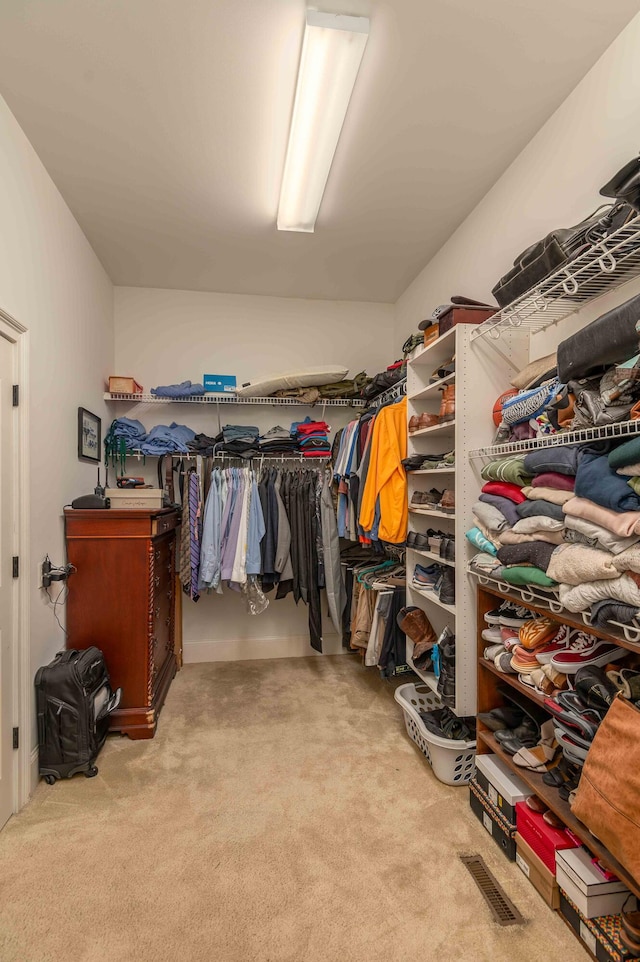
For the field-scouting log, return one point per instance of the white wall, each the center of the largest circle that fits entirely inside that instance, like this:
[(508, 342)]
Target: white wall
[(51, 282), (553, 183), (165, 336)]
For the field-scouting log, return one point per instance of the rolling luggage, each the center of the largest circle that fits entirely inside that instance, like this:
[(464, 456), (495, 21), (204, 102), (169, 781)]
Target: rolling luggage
[(74, 700)]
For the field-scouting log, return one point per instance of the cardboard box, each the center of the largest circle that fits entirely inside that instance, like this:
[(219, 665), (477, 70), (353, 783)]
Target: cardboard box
[(431, 334), (600, 935), (124, 385), (544, 839), (494, 822), (588, 890), (537, 872), (503, 787), (136, 499)]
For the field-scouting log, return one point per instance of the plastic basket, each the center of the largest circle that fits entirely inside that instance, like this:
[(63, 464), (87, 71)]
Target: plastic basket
[(453, 762)]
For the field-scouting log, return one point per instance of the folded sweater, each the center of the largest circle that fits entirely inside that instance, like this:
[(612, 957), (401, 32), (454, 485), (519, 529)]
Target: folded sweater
[(538, 522), (531, 509), (599, 536), (493, 519), (504, 490), (507, 469), (553, 479), (551, 537), (553, 495), (504, 505), (623, 523), (561, 458), (598, 481), (526, 575), (537, 553), (581, 597), (624, 454), (575, 564)]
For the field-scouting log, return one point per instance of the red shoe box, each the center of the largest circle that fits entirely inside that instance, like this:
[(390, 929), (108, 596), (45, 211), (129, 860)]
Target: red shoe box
[(544, 839)]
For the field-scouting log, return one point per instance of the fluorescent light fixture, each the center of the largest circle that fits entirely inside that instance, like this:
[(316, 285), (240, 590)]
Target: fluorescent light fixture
[(332, 50)]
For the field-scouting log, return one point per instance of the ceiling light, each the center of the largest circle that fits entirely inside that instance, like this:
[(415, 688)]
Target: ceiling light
[(332, 50)]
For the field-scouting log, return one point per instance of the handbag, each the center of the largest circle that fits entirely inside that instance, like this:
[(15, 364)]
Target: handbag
[(607, 800), (625, 185)]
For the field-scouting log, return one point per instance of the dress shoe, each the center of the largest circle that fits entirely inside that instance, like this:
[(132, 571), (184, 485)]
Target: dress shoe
[(432, 497), (448, 501), (423, 421)]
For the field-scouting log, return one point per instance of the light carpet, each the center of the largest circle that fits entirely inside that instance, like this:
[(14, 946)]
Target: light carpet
[(281, 814)]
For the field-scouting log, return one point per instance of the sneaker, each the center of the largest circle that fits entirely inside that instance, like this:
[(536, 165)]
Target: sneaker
[(492, 635), (586, 649), (557, 644), (503, 663), (523, 661), (448, 549), (426, 498), (447, 502), (427, 579), (509, 638), (537, 632), (493, 617), (515, 616), (492, 652)]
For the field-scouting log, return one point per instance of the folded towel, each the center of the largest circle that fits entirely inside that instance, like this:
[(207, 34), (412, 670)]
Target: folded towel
[(581, 597), (623, 523), (504, 490), (574, 564), (554, 495), (553, 479)]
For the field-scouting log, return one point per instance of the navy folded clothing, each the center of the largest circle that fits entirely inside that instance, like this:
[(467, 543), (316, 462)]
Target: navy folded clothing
[(598, 482), (184, 389), (561, 458)]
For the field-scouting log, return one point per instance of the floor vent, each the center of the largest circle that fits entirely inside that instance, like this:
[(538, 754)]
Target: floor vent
[(502, 908)]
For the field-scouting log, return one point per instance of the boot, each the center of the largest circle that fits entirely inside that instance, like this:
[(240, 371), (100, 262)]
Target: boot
[(417, 628), (448, 404)]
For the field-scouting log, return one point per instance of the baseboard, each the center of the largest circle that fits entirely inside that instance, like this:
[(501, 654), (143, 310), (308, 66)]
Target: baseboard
[(294, 646), (34, 776)]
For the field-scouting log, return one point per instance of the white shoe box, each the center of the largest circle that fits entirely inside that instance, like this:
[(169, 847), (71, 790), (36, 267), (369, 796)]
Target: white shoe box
[(501, 785), (586, 886)]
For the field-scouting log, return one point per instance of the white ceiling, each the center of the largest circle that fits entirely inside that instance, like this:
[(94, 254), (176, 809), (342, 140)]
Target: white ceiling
[(164, 125)]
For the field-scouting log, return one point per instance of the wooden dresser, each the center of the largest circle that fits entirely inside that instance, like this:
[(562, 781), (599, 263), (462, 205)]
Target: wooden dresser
[(122, 600)]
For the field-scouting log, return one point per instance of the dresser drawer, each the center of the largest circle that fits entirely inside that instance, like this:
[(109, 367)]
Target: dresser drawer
[(164, 523)]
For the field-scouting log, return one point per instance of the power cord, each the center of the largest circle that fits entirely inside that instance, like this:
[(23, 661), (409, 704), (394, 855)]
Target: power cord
[(64, 590)]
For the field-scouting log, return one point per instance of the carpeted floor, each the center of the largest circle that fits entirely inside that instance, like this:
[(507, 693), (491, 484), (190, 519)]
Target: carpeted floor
[(281, 814)]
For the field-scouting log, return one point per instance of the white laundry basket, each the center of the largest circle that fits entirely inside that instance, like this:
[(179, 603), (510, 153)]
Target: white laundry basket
[(453, 761)]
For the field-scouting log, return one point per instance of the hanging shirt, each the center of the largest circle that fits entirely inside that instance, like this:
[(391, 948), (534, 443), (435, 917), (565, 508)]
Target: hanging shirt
[(386, 477), (256, 531)]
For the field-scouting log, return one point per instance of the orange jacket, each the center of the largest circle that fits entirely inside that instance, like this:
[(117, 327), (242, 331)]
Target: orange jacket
[(386, 477)]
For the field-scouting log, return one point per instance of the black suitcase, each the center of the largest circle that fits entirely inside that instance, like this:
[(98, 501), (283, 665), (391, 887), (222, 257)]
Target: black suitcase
[(74, 700)]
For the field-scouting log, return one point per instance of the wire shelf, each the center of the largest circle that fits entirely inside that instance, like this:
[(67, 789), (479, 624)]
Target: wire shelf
[(604, 267), (623, 429), (393, 393), (225, 456), (234, 399)]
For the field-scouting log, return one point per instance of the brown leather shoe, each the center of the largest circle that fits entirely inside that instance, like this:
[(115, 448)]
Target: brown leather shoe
[(448, 501), (448, 404), (423, 421)]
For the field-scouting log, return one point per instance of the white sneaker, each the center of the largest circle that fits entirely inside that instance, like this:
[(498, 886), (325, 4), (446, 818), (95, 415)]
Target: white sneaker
[(492, 635)]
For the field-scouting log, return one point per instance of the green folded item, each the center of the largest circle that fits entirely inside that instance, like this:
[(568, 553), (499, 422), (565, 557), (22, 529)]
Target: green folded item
[(526, 575), (347, 388), (634, 483), (507, 469), (627, 453)]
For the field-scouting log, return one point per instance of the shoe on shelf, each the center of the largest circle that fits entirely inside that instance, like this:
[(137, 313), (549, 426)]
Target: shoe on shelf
[(431, 498), (627, 681), (427, 578), (416, 626), (435, 541), (523, 661), (492, 635), (448, 501), (515, 616), (448, 404), (447, 588), (411, 539), (503, 663), (421, 542), (595, 689), (448, 549), (585, 649), (537, 632), (420, 421), (509, 638), (558, 643), (492, 652), (493, 617)]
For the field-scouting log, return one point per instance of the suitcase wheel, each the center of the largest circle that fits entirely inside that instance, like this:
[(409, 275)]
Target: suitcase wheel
[(91, 772), (50, 779)]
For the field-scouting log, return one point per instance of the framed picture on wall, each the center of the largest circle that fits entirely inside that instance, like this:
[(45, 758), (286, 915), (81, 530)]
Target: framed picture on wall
[(89, 436)]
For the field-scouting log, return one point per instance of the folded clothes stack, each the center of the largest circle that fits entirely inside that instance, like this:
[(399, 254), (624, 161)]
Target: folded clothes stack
[(277, 441), (593, 380), (177, 391), (312, 438), (566, 516), (167, 439), (421, 462), (127, 433)]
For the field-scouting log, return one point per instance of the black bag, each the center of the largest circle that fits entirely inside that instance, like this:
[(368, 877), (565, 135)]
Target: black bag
[(559, 247), (625, 186), (382, 382), (74, 700)]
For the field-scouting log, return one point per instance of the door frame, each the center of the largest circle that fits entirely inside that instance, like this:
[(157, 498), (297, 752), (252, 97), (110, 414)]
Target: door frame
[(22, 708)]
